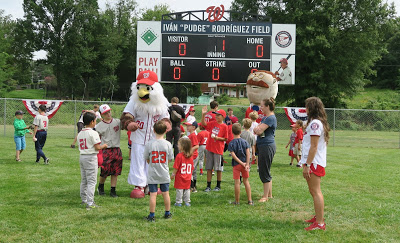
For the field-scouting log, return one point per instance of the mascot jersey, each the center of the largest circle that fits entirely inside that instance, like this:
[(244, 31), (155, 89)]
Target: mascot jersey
[(260, 113), (145, 121)]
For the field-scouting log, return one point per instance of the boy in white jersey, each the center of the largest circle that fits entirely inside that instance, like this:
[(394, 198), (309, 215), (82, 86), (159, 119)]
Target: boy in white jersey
[(89, 145), (109, 130), (158, 153), (41, 123)]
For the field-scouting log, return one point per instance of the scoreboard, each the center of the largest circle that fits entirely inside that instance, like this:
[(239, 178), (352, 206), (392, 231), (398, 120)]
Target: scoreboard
[(221, 52)]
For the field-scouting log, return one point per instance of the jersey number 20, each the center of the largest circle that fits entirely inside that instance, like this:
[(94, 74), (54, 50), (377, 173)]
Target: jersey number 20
[(186, 169)]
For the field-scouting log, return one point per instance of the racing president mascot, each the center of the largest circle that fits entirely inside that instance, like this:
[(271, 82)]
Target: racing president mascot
[(146, 106), (260, 85)]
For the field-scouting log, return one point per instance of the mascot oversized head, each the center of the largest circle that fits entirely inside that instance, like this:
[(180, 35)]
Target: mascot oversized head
[(148, 94), (147, 105), (260, 85)]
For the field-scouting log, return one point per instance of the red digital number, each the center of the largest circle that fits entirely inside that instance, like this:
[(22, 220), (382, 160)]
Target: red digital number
[(215, 74), (177, 73), (260, 51), (82, 144), (158, 157), (223, 45), (182, 49)]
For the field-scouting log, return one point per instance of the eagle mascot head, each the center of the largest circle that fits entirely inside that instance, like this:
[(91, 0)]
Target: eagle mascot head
[(148, 95), (260, 85)]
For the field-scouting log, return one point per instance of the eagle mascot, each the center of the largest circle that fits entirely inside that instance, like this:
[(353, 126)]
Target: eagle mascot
[(260, 85), (146, 106)]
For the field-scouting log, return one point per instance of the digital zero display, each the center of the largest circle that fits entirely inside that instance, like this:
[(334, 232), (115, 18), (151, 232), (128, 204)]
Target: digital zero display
[(206, 52)]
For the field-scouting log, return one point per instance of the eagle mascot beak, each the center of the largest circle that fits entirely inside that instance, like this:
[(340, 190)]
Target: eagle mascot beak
[(144, 93)]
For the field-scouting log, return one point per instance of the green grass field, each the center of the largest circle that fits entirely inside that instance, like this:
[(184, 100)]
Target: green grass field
[(41, 203)]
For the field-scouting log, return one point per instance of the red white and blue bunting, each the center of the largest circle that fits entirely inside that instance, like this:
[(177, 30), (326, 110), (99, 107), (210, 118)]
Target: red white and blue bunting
[(295, 113), (52, 106), (186, 108)]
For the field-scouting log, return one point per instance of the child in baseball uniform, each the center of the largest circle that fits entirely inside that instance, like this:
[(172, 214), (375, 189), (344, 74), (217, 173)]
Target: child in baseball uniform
[(202, 137), (191, 128), (89, 145), (240, 151), (109, 130), (41, 123), (19, 134), (182, 174), (291, 143), (158, 153)]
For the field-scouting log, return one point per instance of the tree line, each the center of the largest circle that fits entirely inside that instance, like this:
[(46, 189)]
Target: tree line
[(341, 47)]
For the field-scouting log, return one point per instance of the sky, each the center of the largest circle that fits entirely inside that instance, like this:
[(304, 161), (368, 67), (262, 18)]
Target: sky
[(14, 7)]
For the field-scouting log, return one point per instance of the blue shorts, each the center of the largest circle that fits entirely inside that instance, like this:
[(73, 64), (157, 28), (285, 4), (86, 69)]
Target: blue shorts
[(163, 187), (19, 142)]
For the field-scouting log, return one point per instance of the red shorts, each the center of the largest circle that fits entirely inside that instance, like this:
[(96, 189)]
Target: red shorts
[(237, 169), (319, 171)]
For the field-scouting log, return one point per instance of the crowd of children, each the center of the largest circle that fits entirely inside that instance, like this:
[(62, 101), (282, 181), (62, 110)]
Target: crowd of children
[(99, 146)]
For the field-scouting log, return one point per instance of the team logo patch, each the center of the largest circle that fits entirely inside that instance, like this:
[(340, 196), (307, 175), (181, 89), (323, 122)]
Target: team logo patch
[(146, 75), (283, 39), (314, 126)]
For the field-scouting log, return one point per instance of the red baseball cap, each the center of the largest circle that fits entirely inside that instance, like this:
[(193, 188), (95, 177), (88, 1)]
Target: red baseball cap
[(147, 77), (284, 60), (220, 112)]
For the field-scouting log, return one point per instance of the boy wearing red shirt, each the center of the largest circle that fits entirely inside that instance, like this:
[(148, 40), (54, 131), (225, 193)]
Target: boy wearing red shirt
[(215, 145), (210, 116), (191, 128)]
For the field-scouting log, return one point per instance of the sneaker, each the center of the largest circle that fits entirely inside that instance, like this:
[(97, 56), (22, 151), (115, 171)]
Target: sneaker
[(37, 161), (46, 162), (112, 194), (235, 203), (312, 220), (194, 190), (213, 173), (93, 206), (150, 219), (201, 173), (101, 191), (187, 204), (217, 189), (83, 203), (315, 226), (72, 146), (251, 203), (168, 216), (178, 204), (207, 189), (298, 165)]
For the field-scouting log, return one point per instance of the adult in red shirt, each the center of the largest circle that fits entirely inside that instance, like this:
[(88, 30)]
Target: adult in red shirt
[(215, 145), (210, 116)]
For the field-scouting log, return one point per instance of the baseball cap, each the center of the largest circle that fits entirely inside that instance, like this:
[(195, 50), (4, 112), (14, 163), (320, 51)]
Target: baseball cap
[(19, 112), (104, 108), (191, 124), (293, 125), (191, 109), (147, 77), (220, 112), (284, 60)]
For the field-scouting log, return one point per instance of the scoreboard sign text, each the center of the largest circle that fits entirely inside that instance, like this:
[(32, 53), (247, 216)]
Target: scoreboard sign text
[(223, 52)]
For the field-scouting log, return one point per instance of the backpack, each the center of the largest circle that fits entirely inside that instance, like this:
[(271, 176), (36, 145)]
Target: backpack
[(175, 116)]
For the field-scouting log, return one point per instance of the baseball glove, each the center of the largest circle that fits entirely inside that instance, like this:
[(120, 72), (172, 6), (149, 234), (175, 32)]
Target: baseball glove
[(125, 120)]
